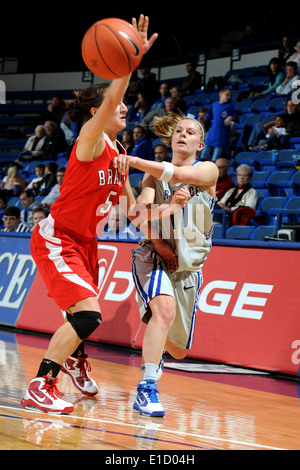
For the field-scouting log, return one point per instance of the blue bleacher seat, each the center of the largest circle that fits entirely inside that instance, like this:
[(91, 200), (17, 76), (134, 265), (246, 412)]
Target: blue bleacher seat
[(277, 104), (259, 179), (12, 201), (279, 180), (263, 157), (263, 231), (294, 183), (245, 157), (243, 106), (269, 207), (218, 232), (292, 203), (260, 105), (239, 232)]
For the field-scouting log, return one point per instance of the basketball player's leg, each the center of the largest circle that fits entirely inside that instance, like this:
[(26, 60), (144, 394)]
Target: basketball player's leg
[(163, 309), (42, 392)]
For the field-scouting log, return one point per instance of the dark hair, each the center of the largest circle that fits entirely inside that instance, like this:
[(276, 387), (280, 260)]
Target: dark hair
[(92, 96), (13, 211)]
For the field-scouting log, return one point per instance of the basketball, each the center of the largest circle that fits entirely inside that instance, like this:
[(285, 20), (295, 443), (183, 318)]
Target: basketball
[(111, 48)]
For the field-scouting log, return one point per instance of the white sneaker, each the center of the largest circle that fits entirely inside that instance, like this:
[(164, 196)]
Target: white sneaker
[(146, 401), (42, 394), (78, 368)]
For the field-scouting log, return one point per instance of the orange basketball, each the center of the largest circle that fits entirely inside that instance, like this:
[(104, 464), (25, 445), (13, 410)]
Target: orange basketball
[(111, 48)]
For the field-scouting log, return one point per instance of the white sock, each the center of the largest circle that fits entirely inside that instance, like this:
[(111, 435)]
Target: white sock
[(149, 371)]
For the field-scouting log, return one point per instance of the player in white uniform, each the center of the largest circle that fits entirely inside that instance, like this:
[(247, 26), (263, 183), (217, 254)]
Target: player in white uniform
[(167, 264)]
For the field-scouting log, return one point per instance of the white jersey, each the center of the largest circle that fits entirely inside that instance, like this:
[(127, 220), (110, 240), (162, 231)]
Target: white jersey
[(189, 231)]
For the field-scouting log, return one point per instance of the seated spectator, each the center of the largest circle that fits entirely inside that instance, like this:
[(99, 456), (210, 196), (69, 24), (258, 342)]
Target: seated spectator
[(161, 153), (54, 143), (148, 121), (224, 183), (285, 88), (193, 81), (49, 179), (34, 143), (38, 214), (55, 191), (117, 227), (164, 93), (142, 146), (275, 78), (274, 133), (296, 56), (13, 183), (180, 104), (139, 110), (39, 171), (240, 202), (12, 220), (56, 109), (127, 140), (286, 50), (147, 84), (28, 203), (3, 204), (291, 117)]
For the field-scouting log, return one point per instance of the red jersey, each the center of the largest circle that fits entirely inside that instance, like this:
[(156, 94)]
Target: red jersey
[(88, 191)]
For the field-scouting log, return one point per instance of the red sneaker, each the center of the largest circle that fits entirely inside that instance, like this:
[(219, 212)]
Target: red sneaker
[(78, 369), (42, 394)]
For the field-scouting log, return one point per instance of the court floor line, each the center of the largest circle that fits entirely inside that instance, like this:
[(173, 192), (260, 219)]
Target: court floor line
[(167, 431)]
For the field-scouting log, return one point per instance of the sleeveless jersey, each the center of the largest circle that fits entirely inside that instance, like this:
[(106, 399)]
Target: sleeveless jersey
[(189, 231), (88, 192)]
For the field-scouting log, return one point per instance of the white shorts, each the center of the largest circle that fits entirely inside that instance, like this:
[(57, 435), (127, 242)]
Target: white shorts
[(152, 279)]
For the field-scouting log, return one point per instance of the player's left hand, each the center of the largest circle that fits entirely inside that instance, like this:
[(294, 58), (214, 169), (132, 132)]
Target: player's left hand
[(142, 28)]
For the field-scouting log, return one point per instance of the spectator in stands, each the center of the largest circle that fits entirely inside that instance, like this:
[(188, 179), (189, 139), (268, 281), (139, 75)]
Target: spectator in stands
[(203, 119), (164, 93), (221, 114), (3, 204), (38, 214), (275, 78), (243, 196), (139, 110), (49, 179), (274, 133), (56, 109), (161, 153), (55, 191), (286, 50), (285, 88), (54, 142), (148, 84), (180, 104), (34, 143), (142, 145), (39, 172), (224, 183), (291, 117), (127, 140), (117, 226), (193, 80), (296, 56), (148, 120), (28, 203), (12, 220), (13, 183)]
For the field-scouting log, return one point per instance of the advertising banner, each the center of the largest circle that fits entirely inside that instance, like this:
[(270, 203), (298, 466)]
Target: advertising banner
[(248, 311)]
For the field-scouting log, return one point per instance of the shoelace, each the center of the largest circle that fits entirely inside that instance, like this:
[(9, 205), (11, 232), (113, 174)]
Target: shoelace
[(84, 366), (151, 392), (51, 388)]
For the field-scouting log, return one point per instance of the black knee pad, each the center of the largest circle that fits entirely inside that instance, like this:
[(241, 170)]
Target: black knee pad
[(85, 322)]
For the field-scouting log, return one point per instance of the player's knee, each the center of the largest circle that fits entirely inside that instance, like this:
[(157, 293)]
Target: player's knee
[(84, 322), (164, 308)]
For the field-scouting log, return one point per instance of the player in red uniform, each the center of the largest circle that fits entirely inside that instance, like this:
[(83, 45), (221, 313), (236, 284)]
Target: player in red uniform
[(64, 245)]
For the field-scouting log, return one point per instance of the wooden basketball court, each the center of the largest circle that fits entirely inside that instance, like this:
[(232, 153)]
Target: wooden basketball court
[(204, 410)]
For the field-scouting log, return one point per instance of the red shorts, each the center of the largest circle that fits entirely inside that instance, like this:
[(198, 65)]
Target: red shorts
[(68, 266)]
